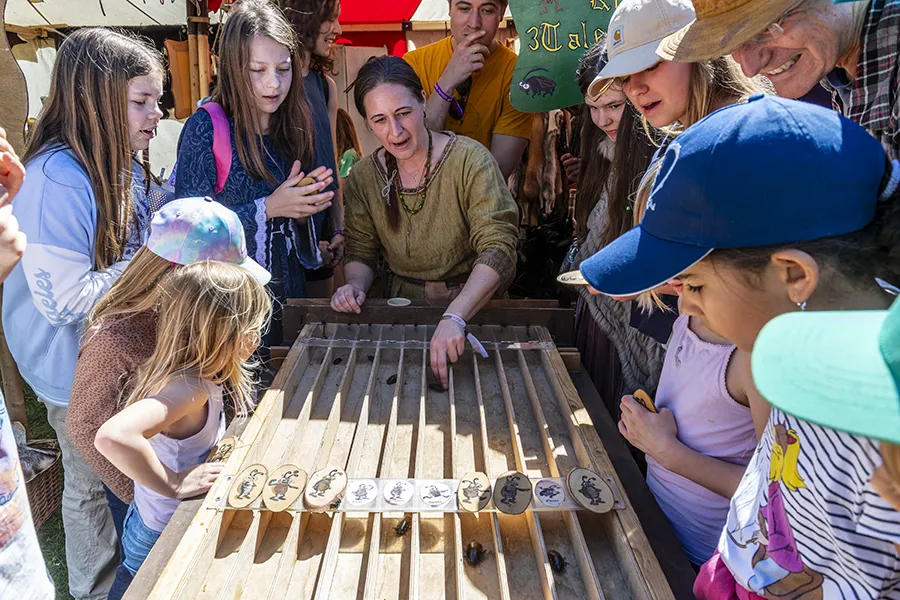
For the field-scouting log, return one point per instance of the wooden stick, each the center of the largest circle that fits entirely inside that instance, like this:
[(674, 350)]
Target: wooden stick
[(495, 521), (534, 521), (419, 471), (588, 572), (642, 570), (371, 588), (241, 564), (460, 569), (288, 558)]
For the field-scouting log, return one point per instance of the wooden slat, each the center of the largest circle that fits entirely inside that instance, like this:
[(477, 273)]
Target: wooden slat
[(506, 313), (459, 570), (419, 470), (495, 522), (576, 534), (632, 547), (534, 521), (371, 588)]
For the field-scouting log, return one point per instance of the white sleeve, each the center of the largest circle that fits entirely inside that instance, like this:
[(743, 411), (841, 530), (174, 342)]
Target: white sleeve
[(63, 286)]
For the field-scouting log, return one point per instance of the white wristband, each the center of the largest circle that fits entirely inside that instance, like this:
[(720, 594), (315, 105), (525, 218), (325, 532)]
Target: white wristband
[(476, 345)]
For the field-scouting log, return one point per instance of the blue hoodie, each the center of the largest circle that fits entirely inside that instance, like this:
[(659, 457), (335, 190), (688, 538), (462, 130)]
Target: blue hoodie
[(51, 291)]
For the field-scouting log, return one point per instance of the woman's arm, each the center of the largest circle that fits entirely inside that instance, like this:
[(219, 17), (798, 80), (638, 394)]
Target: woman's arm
[(124, 440), (656, 434), (351, 296)]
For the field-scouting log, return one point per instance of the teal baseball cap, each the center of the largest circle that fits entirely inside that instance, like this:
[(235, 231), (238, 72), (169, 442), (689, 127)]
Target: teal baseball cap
[(191, 230), (838, 369)]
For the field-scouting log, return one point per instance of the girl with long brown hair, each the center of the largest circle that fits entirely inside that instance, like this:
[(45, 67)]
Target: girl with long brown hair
[(82, 221), (261, 92)]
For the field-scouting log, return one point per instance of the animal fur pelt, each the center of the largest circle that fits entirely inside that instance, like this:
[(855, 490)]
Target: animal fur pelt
[(541, 251), (33, 460), (537, 183)]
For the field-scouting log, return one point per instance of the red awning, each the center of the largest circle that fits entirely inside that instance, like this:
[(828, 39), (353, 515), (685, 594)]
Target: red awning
[(363, 12)]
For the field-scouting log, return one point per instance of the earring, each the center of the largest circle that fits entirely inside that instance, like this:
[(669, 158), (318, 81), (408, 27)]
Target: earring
[(802, 306)]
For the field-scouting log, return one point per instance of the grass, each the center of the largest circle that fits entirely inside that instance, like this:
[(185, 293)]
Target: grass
[(51, 536)]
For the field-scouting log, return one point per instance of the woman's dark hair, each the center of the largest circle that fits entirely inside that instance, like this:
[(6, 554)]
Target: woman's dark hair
[(380, 70), (307, 17), (346, 134), (847, 263), (619, 177)]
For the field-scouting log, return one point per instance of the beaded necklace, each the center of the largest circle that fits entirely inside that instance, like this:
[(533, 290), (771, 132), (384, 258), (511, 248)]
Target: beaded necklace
[(422, 192)]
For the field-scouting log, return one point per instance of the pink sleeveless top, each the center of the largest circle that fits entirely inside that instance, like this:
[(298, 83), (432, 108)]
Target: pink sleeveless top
[(711, 422)]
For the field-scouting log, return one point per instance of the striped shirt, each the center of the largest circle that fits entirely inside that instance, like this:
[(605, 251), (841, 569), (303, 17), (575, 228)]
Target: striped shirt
[(874, 95), (805, 519)]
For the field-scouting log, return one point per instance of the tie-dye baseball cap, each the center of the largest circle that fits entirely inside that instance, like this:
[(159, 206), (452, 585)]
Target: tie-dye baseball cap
[(191, 230)]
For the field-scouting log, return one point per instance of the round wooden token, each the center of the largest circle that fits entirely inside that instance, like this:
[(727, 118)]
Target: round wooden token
[(549, 492), (572, 278), (221, 451), (398, 492), (306, 181), (435, 494), (645, 399), (590, 491), (474, 491), (512, 493), (284, 487), (248, 485), (325, 489), (362, 492)]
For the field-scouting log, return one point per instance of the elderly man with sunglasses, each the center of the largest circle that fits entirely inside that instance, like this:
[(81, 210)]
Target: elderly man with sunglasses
[(467, 78), (852, 48)]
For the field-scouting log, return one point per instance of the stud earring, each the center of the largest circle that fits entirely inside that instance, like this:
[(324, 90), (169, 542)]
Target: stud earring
[(802, 306)]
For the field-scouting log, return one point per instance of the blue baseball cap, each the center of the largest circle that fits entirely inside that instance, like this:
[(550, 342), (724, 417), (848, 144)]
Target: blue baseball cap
[(770, 171)]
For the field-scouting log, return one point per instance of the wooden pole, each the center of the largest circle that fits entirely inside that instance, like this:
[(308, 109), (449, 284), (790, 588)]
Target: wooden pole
[(202, 23), (194, 66), (12, 381)]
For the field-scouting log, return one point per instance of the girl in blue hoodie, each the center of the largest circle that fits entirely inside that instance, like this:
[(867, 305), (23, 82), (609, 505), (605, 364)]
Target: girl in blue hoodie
[(85, 213)]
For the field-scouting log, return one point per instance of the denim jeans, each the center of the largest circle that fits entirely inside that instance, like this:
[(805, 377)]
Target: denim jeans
[(119, 511), (137, 541)]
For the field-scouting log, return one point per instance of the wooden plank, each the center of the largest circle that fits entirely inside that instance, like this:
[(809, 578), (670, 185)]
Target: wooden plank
[(633, 548), (506, 313), (534, 521)]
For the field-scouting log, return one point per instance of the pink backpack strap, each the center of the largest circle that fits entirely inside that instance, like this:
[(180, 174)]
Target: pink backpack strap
[(221, 143)]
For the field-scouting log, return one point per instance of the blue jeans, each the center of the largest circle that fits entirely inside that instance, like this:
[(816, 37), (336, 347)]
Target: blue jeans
[(137, 541), (119, 511)]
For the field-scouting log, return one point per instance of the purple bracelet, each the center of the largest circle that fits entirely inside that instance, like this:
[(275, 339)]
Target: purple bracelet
[(442, 93), (337, 232)]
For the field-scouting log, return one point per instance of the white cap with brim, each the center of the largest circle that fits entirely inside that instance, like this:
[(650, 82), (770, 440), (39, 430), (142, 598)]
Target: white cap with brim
[(635, 32)]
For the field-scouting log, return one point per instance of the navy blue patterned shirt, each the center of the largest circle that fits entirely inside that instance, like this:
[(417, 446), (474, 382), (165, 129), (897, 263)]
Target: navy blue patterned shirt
[(284, 246)]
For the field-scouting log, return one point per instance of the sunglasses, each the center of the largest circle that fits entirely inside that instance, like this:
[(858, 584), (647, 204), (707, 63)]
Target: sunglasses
[(458, 107)]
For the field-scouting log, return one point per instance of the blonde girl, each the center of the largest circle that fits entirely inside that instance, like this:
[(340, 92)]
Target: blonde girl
[(669, 95), (260, 90), (78, 211), (211, 316), (121, 329), (807, 519)]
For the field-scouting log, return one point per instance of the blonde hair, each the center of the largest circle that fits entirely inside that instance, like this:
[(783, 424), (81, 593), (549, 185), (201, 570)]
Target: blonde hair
[(890, 456), (133, 292), (206, 310), (87, 110), (715, 84), (290, 127)]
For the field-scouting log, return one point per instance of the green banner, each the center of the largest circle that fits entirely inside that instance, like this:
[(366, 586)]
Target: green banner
[(553, 36)]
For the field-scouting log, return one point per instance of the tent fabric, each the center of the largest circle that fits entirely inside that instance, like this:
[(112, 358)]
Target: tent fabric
[(86, 13), (359, 12)]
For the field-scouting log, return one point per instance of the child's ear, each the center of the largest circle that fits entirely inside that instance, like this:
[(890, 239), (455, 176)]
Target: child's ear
[(798, 271)]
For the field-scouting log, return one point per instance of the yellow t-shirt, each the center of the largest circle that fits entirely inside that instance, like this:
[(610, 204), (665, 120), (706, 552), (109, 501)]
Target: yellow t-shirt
[(488, 109)]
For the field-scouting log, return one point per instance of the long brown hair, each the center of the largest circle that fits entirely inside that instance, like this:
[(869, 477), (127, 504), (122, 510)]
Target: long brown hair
[(87, 111), (290, 127), (380, 70), (346, 134), (205, 309), (617, 177), (307, 17)]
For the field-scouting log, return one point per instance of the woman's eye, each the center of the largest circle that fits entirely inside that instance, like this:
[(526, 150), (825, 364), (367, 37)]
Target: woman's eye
[(626, 79), (257, 70), (654, 67), (614, 106), (693, 288)]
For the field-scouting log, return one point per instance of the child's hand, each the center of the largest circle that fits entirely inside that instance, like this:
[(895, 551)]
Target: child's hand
[(296, 201), (12, 172), (197, 480), (652, 433)]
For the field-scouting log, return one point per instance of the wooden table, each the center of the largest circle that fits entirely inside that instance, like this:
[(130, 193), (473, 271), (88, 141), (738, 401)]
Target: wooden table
[(675, 567)]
